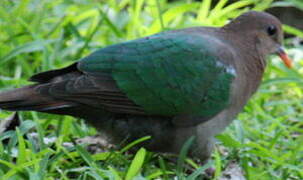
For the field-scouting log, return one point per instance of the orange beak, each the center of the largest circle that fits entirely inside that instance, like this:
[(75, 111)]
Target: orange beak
[(284, 57)]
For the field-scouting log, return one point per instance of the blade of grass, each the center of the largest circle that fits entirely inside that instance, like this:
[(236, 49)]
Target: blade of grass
[(160, 15), (21, 148), (136, 164), (107, 21), (204, 10), (292, 30), (25, 48), (132, 144), (182, 156), (199, 171), (163, 168), (88, 39)]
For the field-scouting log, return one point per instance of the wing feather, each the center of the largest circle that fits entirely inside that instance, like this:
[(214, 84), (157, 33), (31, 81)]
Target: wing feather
[(169, 74)]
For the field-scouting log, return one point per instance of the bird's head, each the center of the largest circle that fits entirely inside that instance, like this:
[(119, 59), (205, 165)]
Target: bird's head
[(265, 31)]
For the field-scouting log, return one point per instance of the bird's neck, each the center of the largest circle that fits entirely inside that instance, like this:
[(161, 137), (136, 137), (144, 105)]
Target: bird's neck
[(249, 62), (245, 41)]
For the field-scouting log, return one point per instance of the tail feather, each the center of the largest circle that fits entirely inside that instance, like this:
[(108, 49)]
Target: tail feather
[(27, 98)]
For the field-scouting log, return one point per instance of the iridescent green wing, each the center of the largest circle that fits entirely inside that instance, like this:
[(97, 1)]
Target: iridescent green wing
[(168, 74)]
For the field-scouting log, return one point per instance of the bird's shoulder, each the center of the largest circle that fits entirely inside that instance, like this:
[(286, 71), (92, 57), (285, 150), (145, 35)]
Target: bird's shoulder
[(193, 41)]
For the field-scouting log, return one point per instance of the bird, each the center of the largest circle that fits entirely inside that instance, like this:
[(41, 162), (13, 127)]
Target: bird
[(170, 86)]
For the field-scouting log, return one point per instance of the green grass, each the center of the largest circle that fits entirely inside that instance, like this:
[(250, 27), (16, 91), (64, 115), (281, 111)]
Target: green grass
[(265, 139)]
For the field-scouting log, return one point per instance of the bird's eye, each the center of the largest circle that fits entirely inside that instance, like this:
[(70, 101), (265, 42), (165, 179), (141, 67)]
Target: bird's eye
[(271, 30)]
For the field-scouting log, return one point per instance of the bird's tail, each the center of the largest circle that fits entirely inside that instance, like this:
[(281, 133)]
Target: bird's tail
[(28, 99)]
